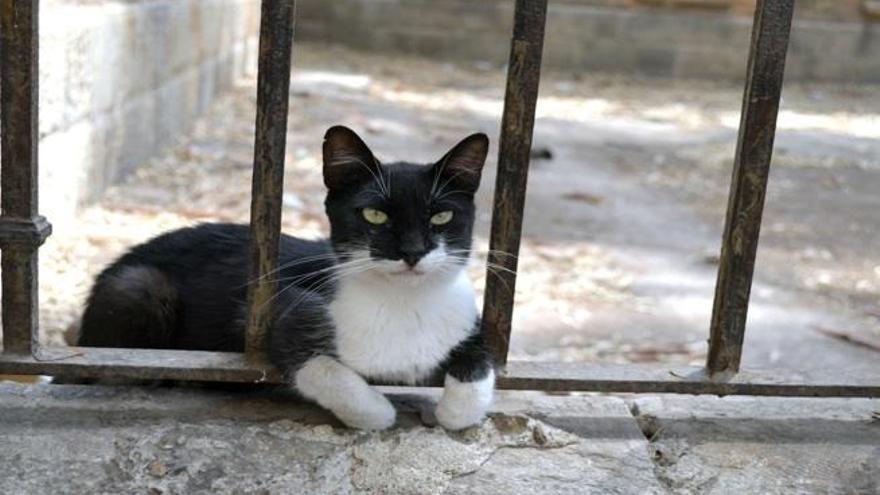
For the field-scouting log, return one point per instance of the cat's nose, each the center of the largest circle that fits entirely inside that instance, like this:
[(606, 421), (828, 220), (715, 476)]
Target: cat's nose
[(412, 258)]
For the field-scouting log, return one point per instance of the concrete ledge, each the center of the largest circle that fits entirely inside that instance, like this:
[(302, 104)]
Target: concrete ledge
[(64, 439), (772, 445), (96, 439)]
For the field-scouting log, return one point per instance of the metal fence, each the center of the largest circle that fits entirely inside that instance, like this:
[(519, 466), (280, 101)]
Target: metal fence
[(23, 230)]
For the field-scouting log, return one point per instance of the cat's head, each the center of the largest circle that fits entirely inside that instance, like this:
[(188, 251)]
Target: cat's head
[(401, 220)]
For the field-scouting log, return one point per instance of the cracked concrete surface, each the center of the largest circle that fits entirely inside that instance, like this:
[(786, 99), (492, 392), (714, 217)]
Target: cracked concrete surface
[(79, 439), (762, 445)]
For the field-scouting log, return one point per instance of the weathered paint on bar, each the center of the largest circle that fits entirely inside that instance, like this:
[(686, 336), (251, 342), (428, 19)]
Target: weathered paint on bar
[(22, 230), (273, 86), (749, 183), (523, 76)]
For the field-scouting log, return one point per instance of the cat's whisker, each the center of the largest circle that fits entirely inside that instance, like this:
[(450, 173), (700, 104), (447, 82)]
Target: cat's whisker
[(291, 264), (496, 252), (336, 271), (456, 254), (437, 175), (264, 277), (378, 178), (501, 268), (450, 193), (312, 288), (317, 286), (387, 179), (331, 256), (438, 194), (351, 158), (302, 275), (491, 271), (489, 265)]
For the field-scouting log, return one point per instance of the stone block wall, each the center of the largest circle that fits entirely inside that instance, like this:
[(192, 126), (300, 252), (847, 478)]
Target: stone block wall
[(831, 40), (119, 80)]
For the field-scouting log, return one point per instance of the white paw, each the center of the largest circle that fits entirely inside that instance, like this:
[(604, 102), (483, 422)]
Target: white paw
[(465, 403), (377, 413), (345, 393)]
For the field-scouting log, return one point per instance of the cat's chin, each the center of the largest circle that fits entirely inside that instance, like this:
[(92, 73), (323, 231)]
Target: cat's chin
[(412, 276), (409, 272), (408, 276)]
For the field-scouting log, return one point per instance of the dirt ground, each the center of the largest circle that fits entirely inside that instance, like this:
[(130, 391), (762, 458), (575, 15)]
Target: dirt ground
[(623, 223)]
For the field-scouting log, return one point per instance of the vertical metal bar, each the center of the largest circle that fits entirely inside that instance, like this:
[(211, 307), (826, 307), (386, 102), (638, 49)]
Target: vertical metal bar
[(273, 85), (523, 75), (22, 230), (748, 186)]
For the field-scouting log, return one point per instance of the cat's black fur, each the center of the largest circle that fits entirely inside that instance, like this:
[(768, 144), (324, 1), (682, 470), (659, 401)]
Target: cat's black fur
[(186, 289)]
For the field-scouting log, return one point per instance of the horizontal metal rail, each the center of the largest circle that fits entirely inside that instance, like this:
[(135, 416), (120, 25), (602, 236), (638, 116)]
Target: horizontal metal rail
[(143, 364)]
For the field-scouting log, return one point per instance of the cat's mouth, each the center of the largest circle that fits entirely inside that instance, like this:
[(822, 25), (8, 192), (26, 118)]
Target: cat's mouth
[(408, 272)]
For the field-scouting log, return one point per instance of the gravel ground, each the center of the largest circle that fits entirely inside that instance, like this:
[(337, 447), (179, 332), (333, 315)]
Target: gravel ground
[(635, 190)]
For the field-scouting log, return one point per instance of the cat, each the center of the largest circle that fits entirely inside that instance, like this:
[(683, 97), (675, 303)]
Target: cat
[(386, 297)]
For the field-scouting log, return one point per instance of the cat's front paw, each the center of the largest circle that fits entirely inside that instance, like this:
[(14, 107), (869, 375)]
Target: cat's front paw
[(376, 413), (346, 394), (465, 403)]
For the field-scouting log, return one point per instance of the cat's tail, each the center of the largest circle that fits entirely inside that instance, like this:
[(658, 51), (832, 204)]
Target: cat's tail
[(130, 306)]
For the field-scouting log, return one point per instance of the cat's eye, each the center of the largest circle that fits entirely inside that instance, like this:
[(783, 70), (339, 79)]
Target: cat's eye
[(442, 218), (374, 216)]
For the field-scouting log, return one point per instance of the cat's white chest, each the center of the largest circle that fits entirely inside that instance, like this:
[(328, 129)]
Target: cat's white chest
[(401, 332)]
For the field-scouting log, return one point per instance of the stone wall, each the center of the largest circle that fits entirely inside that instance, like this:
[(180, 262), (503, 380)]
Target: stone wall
[(121, 79), (827, 10), (673, 38)]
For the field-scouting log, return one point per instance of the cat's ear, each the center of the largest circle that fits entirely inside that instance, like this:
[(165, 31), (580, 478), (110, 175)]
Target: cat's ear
[(460, 169), (347, 160)]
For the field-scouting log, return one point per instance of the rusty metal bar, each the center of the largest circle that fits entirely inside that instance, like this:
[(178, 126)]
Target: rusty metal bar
[(22, 230), (92, 362), (748, 186), (523, 76), (273, 85)]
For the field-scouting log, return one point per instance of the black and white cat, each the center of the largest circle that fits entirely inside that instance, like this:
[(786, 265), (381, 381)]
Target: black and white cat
[(386, 297)]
